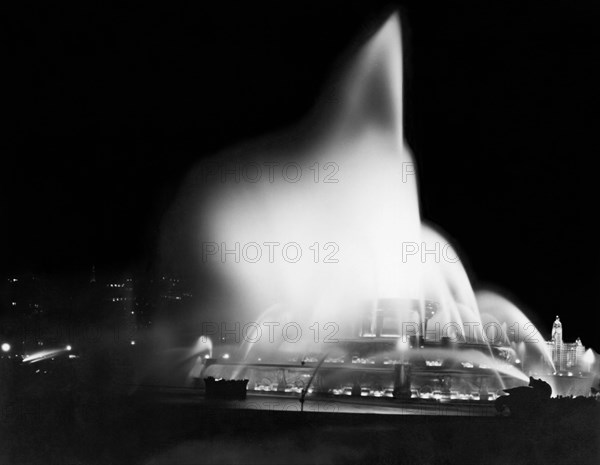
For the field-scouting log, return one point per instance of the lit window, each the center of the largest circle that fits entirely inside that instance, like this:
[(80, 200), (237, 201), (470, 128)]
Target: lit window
[(433, 363)]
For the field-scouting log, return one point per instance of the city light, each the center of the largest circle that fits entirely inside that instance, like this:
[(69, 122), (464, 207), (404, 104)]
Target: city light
[(68, 347), (132, 343), (42, 355), (5, 347)]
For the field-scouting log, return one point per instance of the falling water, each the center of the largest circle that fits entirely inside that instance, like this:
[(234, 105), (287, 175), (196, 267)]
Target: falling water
[(344, 193)]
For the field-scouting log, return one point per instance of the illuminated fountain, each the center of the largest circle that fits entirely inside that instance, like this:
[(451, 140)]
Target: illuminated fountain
[(321, 227)]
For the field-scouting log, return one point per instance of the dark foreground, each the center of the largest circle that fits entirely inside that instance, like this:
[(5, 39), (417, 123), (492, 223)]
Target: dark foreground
[(165, 428), (86, 413)]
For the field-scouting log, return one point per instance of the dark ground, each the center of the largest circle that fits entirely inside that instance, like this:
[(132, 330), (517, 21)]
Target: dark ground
[(90, 423)]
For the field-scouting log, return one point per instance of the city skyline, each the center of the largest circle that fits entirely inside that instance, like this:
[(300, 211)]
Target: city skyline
[(150, 296)]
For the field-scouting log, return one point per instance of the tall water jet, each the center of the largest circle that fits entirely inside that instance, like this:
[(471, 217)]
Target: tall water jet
[(357, 235)]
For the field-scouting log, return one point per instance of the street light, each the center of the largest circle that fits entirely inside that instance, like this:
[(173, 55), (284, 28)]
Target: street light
[(6, 347)]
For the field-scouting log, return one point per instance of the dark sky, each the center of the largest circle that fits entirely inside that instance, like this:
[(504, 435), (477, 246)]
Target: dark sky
[(108, 108)]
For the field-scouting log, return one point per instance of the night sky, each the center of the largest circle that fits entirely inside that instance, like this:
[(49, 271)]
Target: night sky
[(109, 108)]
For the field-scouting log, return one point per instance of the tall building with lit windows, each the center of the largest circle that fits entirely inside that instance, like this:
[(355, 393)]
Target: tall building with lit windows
[(565, 356)]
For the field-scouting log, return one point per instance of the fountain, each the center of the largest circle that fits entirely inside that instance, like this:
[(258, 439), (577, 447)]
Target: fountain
[(321, 227)]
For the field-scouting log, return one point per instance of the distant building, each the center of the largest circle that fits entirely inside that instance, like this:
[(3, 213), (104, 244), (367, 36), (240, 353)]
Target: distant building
[(565, 356), (131, 303), (26, 295)]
